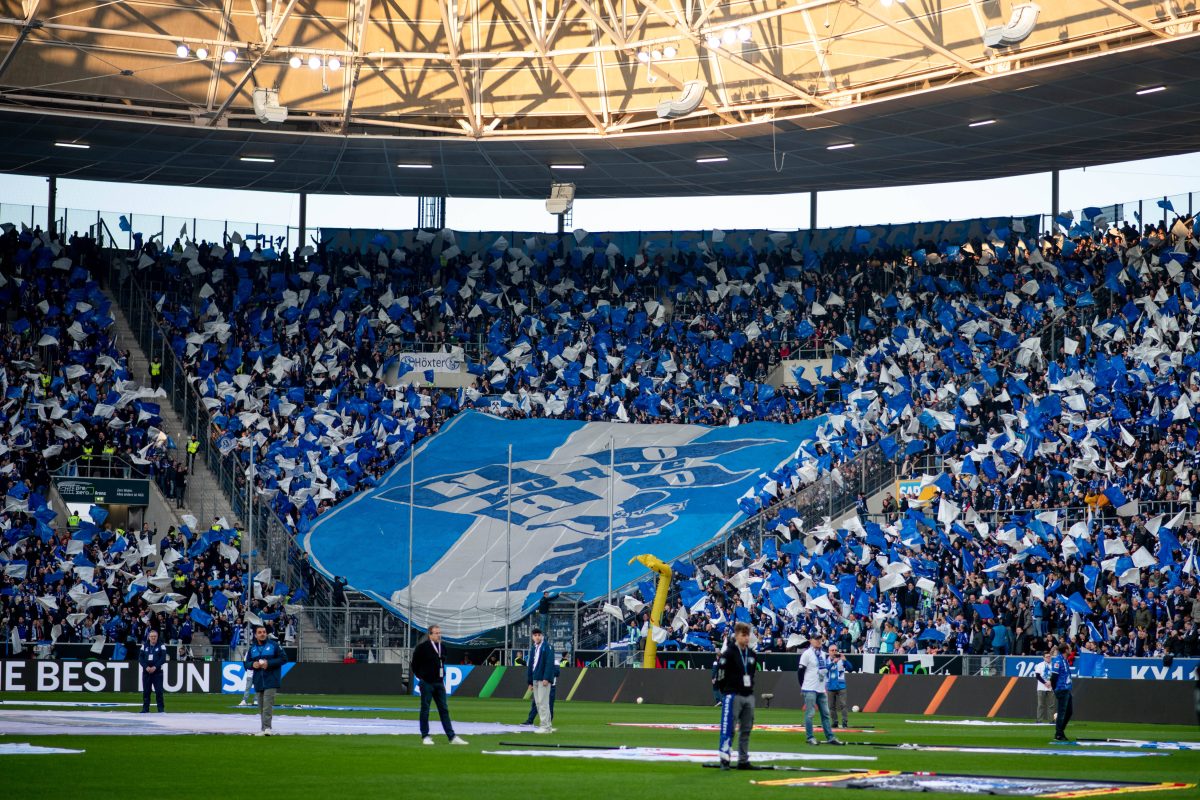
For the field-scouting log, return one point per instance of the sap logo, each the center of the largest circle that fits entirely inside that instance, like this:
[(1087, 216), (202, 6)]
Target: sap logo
[(454, 678), (233, 676), (1158, 673)]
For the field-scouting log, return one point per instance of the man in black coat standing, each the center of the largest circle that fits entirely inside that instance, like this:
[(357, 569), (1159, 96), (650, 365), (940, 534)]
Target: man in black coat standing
[(429, 668)]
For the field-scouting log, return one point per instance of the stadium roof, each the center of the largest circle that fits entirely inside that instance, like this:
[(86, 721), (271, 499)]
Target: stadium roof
[(491, 110)]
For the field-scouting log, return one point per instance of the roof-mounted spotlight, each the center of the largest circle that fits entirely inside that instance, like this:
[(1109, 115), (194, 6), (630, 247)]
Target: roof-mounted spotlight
[(314, 62), (201, 53), (295, 62), (230, 56), (713, 41), (335, 63), (182, 51), (744, 34), (643, 56), (669, 51)]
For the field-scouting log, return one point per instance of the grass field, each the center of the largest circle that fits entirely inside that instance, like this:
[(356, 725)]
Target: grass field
[(346, 767)]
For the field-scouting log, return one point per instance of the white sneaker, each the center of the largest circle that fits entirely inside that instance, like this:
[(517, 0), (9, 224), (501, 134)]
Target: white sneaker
[(260, 733), (427, 740), (458, 740), (243, 704), (541, 730), (269, 732)]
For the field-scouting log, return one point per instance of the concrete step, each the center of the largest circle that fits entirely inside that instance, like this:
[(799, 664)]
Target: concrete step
[(204, 498)]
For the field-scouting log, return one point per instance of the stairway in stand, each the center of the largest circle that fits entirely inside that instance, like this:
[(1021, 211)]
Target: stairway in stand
[(204, 498)]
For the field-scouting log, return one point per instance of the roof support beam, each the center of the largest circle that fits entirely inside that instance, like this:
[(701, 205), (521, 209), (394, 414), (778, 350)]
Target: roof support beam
[(621, 42), (469, 110), (540, 44), (30, 7), (355, 69), (769, 77), (923, 41), (262, 54), (1135, 19)]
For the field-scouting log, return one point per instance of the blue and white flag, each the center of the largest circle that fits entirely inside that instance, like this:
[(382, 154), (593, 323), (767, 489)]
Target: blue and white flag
[(675, 488)]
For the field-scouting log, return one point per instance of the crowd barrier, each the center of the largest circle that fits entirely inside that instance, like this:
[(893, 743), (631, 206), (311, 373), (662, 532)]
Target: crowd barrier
[(1159, 702), (1167, 702), (204, 677)]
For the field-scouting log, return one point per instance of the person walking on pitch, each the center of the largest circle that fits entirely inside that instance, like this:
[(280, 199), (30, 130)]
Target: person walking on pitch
[(735, 680), (539, 675), (1045, 689), (266, 658), (429, 668), (835, 686), (1061, 677), (813, 675), (153, 658)]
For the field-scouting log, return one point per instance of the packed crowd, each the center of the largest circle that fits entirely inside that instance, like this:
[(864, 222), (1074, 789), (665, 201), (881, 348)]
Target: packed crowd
[(69, 404), (1063, 507), (1052, 377)]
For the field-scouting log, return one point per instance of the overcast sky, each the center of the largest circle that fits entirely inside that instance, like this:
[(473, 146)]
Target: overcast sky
[(1030, 194)]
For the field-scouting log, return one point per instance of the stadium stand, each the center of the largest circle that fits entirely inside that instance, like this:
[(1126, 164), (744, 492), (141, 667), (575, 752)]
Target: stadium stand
[(1044, 385), (70, 405)]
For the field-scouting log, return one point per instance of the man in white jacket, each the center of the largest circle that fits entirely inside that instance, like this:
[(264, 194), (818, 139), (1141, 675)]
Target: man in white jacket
[(813, 673), (1045, 691)]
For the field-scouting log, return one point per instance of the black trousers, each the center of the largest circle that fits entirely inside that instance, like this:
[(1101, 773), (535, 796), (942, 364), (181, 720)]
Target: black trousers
[(152, 680), (435, 693), (1065, 708)]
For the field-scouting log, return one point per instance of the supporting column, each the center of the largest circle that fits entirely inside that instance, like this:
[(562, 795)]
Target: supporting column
[(52, 204), (812, 211), (1054, 209), (303, 219)]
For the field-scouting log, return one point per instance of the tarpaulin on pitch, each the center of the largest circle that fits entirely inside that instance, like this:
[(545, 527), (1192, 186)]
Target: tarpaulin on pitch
[(675, 487), (887, 780)]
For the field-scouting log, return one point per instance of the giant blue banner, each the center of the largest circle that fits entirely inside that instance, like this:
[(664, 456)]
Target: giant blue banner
[(483, 555), (1093, 665)]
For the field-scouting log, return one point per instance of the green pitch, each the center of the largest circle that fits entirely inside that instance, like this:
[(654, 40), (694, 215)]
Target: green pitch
[(344, 767)]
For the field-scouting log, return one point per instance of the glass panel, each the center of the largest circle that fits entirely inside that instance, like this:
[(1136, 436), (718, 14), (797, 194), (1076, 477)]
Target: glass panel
[(41, 217), (210, 230), (112, 223), (177, 228), (148, 225)]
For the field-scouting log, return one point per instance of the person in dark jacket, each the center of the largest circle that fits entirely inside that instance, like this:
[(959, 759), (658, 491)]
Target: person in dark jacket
[(153, 658), (540, 675), (266, 658), (735, 680), (429, 668)]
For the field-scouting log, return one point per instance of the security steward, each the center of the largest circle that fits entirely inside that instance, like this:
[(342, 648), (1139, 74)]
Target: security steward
[(155, 374), (193, 447), (153, 658), (735, 680)]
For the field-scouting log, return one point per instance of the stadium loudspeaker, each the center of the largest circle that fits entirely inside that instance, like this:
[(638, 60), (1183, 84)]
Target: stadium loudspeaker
[(267, 108), (693, 93), (1020, 24)]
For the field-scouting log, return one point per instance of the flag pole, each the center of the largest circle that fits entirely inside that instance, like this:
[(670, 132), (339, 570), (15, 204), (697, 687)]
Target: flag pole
[(508, 562), (250, 529), (412, 458), (612, 458)]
